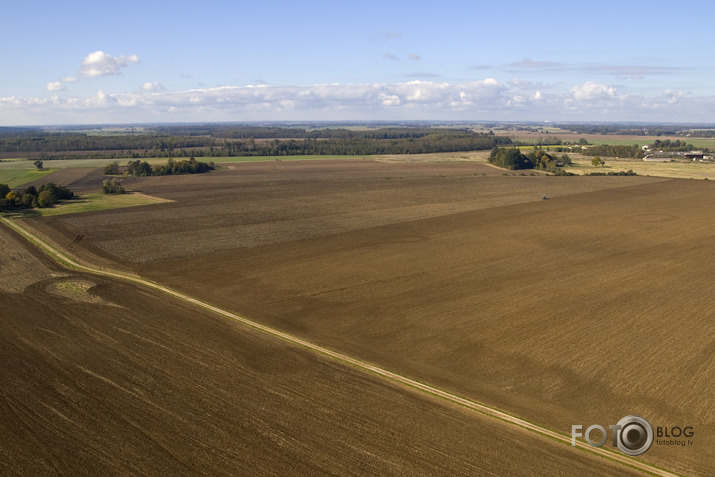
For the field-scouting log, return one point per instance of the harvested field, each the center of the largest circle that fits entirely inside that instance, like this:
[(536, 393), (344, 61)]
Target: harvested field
[(581, 309), (130, 382)]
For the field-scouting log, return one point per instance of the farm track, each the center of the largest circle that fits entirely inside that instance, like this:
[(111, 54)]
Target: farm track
[(70, 263)]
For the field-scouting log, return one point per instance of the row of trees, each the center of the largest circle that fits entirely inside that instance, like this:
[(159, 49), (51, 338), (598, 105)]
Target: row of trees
[(634, 151), (142, 168), (671, 146), (44, 196)]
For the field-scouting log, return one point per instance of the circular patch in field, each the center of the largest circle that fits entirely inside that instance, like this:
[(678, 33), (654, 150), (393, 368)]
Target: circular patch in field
[(74, 289)]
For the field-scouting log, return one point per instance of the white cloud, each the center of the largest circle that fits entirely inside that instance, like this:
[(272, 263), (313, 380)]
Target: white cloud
[(590, 91), (153, 86), (55, 86), (390, 56), (100, 63), (96, 64), (672, 97), (389, 99), (486, 99), (414, 56)]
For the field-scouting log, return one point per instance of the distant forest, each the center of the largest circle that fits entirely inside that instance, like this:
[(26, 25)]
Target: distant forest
[(222, 141)]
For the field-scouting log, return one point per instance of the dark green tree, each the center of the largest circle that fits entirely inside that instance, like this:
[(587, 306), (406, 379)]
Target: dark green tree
[(112, 186), (46, 199), (510, 158), (112, 169)]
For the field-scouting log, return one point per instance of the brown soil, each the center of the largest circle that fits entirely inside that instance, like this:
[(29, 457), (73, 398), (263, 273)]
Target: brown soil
[(20, 266), (577, 310), (80, 180), (144, 385), (258, 204)]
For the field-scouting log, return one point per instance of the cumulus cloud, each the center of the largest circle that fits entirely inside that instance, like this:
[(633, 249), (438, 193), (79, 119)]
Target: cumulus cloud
[(486, 99), (590, 91), (673, 97), (100, 63), (153, 86), (55, 86), (94, 65)]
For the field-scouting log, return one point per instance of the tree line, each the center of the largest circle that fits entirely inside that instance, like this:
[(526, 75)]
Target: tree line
[(633, 152), (241, 141), (432, 143), (66, 142), (671, 146), (139, 168)]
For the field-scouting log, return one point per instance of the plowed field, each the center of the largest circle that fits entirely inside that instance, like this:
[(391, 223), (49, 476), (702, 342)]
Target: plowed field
[(580, 309), (103, 378)]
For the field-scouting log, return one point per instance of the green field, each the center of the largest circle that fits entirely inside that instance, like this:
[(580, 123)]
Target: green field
[(93, 202), (15, 165), (18, 177)]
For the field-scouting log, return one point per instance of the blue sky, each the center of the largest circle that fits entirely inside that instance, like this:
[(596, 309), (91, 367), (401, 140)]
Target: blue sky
[(79, 62)]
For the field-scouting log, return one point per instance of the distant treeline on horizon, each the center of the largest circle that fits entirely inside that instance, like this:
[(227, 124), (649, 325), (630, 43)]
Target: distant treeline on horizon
[(220, 140)]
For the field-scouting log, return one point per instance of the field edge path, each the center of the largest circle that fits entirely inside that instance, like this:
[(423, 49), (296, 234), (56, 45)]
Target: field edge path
[(72, 264)]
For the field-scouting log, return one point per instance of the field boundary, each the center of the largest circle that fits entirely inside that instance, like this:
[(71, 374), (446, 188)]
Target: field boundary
[(60, 257)]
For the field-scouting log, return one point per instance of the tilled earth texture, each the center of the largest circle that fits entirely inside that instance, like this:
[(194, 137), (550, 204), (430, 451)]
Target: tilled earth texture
[(580, 309)]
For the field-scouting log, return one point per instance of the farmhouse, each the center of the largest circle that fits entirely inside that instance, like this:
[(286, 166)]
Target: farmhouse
[(694, 155)]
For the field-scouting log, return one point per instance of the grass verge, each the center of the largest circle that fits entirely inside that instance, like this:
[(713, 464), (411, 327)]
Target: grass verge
[(94, 202)]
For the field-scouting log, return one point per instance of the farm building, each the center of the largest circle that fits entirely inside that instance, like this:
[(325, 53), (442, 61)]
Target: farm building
[(650, 158), (694, 156)]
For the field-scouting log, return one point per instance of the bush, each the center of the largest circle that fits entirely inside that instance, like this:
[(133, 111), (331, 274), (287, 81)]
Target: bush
[(112, 186), (112, 169)]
